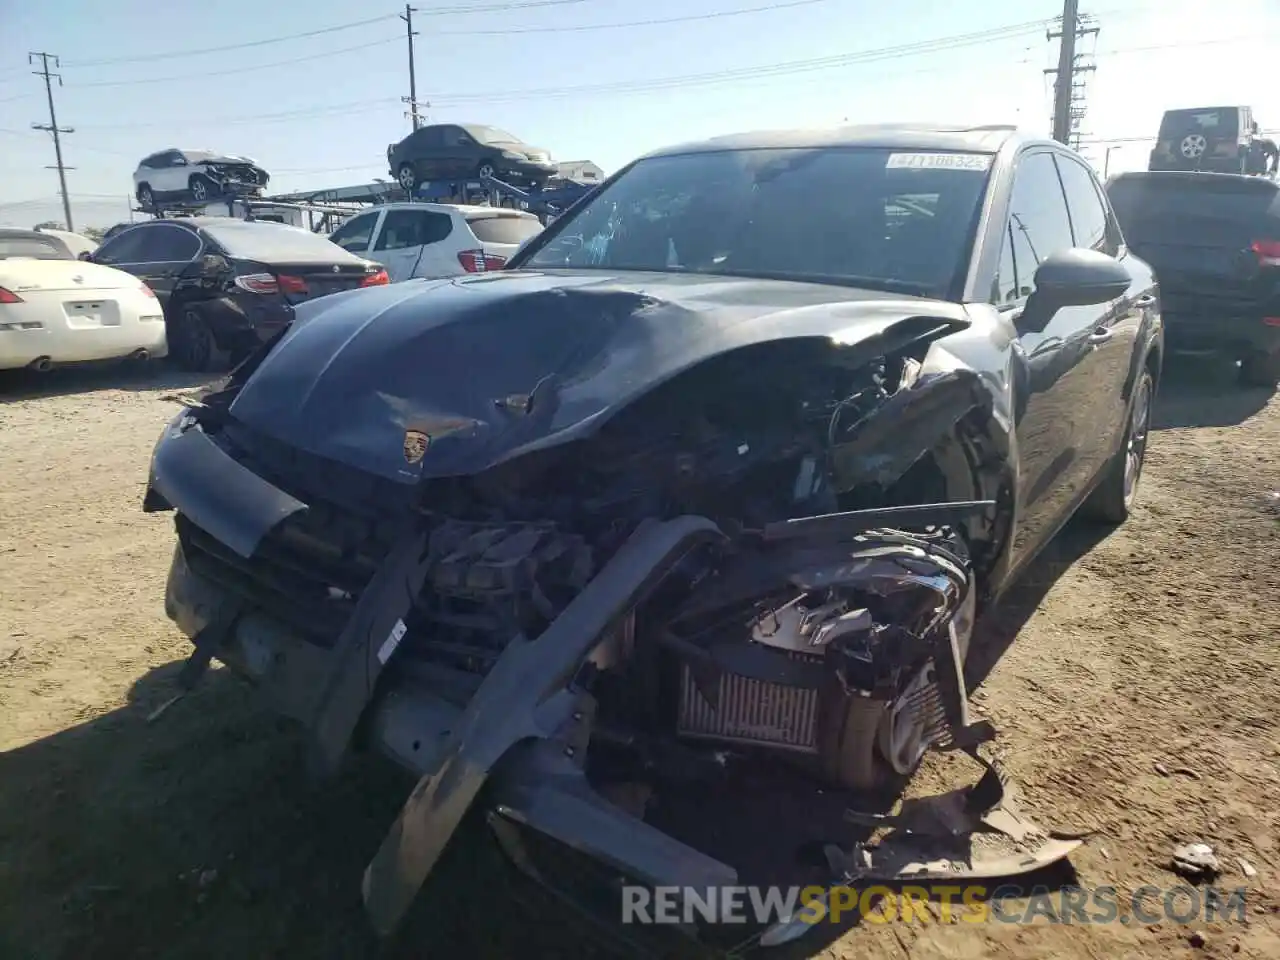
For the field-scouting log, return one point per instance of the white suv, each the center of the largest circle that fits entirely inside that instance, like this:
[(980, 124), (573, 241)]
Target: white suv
[(198, 176), (433, 240)]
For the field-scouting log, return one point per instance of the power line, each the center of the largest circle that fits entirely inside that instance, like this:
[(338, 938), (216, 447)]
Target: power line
[(581, 28), (150, 57), (454, 33), (938, 45), (320, 31), (302, 113), (52, 126), (922, 48), (238, 70)]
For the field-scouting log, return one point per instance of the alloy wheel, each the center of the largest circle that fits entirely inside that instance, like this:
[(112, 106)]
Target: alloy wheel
[(1136, 444)]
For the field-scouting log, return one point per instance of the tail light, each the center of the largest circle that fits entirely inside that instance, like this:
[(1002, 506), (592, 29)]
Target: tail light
[(148, 292), (8, 296), (477, 261), (1267, 252), (266, 283), (378, 278)]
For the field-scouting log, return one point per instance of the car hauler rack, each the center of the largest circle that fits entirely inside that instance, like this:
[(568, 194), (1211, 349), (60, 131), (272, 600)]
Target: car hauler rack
[(547, 201), (316, 217)]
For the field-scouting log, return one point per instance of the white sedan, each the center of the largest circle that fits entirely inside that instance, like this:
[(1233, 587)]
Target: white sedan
[(57, 309)]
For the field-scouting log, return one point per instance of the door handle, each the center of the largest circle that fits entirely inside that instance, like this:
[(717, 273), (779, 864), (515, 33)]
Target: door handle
[(1146, 300), (1101, 335)]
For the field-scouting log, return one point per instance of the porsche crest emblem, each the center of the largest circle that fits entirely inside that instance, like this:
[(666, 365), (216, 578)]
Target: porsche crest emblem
[(415, 445)]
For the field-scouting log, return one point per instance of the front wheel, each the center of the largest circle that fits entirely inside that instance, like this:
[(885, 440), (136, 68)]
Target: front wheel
[(406, 177), (202, 189), (486, 170), (146, 199), (1113, 500), (1260, 370)]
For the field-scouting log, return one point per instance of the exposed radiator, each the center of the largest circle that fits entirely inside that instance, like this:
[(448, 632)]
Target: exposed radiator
[(751, 711)]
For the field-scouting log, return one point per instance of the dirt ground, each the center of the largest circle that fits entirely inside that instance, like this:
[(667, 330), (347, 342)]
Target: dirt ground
[(1139, 699)]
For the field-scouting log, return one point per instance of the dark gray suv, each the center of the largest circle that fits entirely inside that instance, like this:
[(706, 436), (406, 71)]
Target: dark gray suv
[(457, 151)]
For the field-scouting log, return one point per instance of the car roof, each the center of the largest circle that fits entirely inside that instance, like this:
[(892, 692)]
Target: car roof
[(1193, 178), (466, 209), (907, 136), (20, 234)]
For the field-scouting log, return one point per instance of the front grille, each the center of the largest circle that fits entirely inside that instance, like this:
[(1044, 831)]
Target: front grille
[(751, 711), (310, 570)]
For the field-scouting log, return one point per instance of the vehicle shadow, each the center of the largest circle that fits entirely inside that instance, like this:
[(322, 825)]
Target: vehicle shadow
[(200, 835), (18, 385), (997, 629), (1200, 394)]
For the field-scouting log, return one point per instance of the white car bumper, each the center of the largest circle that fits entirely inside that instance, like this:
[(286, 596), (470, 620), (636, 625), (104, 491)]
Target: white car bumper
[(80, 325)]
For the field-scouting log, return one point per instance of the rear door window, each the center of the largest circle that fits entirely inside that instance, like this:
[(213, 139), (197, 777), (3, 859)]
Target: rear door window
[(413, 228), (502, 229), (1088, 215)]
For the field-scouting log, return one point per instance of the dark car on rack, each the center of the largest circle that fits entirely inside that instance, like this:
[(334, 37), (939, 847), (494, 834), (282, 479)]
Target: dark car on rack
[(642, 552), (227, 285), (1214, 241), (450, 152)]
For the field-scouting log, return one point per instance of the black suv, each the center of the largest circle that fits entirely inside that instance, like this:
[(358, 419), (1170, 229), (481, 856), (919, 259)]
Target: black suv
[(1212, 140), (457, 151), (1214, 241)]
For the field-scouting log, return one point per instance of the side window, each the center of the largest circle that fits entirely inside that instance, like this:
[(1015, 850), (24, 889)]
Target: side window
[(457, 137), (427, 138), (158, 244), (1088, 215), (122, 248), (413, 228), (1005, 287), (355, 234), (1038, 224)]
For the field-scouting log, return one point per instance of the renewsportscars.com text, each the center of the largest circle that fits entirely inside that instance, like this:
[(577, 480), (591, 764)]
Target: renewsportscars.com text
[(967, 903)]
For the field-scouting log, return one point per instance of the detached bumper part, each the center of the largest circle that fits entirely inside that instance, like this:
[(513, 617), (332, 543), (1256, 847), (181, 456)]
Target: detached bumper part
[(524, 697)]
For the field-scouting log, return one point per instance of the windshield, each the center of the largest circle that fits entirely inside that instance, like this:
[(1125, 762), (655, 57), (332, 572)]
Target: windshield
[(274, 242), (1211, 121), (39, 248), (492, 135), (873, 217)]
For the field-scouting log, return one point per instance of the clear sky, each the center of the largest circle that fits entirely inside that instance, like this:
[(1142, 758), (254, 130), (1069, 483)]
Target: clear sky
[(319, 111)]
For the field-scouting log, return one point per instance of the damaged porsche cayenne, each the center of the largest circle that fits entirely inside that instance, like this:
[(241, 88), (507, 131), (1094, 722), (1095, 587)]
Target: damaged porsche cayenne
[(658, 553)]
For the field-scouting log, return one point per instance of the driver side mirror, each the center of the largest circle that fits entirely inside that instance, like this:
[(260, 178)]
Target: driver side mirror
[(86, 256), (1072, 278)]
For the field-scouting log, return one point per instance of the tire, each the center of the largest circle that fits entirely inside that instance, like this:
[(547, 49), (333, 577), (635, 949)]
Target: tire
[(192, 344), (407, 177), (486, 170), (1260, 370), (146, 199), (202, 189), (1113, 499)]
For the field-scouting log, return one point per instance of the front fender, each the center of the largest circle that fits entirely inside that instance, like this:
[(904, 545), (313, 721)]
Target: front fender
[(527, 695)]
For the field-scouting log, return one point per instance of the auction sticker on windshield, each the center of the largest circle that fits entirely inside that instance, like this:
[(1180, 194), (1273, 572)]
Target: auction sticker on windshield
[(939, 161)]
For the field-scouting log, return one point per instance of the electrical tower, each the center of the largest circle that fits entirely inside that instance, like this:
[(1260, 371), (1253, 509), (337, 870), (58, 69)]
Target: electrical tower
[(53, 128), (1071, 74), (412, 98)]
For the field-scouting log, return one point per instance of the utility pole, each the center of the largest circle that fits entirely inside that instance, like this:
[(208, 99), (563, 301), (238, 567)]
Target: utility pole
[(52, 126), (412, 99), (1068, 94)]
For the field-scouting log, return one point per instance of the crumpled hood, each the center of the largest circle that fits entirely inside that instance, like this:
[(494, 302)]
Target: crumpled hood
[(372, 376), (228, 158)]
